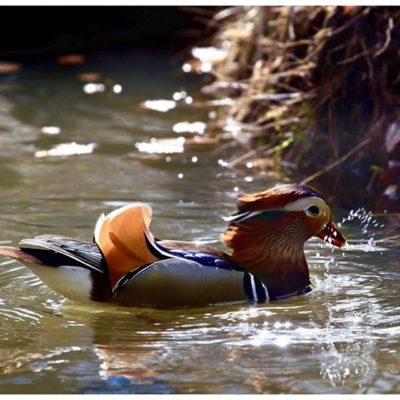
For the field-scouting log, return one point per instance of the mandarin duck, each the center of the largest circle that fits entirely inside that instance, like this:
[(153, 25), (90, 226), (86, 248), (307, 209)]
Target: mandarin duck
[(126, 265)]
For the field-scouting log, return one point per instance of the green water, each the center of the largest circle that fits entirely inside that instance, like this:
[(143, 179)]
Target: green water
[(342, 338)]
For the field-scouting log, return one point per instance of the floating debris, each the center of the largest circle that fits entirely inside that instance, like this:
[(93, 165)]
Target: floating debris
[(50, 130), (66, 149), (159, 105)]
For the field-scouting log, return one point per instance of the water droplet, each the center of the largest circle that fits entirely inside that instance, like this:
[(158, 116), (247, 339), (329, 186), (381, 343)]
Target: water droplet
[(186, 67), (176, 96), (179, 95), (117, 88)]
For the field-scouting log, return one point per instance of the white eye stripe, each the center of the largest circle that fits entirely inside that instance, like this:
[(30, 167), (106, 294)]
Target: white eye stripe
[(304, 203)]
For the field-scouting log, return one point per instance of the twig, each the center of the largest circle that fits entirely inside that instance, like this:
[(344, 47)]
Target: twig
[(277, 96), (354, 58), (290, 24), (349, 23), (369, 62), (388, 38), (337, 162)]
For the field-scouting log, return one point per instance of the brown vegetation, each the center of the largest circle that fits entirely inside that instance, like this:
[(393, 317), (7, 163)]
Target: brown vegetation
[(316, 89)]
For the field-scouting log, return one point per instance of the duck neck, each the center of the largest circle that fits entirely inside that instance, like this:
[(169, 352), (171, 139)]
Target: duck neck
[(275, 257)]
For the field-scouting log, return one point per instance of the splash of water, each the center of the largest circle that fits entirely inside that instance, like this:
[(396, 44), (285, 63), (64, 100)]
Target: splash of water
[(366, 221)]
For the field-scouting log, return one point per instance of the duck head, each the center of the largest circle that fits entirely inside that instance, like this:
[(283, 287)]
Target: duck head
[(268, 233)]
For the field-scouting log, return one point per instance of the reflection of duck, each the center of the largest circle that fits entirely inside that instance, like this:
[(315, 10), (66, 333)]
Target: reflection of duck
[(128, 266)]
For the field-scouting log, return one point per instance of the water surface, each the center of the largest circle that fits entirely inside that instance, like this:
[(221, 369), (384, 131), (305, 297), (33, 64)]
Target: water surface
[(341, 338)]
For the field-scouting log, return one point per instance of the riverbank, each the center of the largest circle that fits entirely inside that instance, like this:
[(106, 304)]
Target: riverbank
[(311, 93)]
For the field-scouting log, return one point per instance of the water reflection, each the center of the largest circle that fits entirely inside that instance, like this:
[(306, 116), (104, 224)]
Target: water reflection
[(66, 149), (335, 332), (160, 105)]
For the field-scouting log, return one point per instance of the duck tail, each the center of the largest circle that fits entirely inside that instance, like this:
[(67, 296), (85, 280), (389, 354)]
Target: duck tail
[(18, 254)]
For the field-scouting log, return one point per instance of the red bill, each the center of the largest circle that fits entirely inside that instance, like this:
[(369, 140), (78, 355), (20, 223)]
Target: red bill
[(332, 235)]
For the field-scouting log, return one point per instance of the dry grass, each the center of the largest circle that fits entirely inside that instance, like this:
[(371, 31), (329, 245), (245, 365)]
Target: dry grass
[(316, 90)]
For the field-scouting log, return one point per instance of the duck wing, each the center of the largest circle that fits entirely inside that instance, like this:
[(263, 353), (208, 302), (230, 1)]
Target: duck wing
[(202, 254), (54, 250)]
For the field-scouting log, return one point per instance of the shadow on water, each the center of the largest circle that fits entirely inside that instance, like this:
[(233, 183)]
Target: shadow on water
[(341, 338)]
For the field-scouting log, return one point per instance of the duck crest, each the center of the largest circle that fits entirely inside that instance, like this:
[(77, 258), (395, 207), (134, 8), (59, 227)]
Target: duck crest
[(274, 198)]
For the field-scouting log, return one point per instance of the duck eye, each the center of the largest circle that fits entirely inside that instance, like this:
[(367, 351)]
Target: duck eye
[(314, 210)]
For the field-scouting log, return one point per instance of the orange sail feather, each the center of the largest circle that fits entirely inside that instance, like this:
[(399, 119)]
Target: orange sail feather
[(122, 240)]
